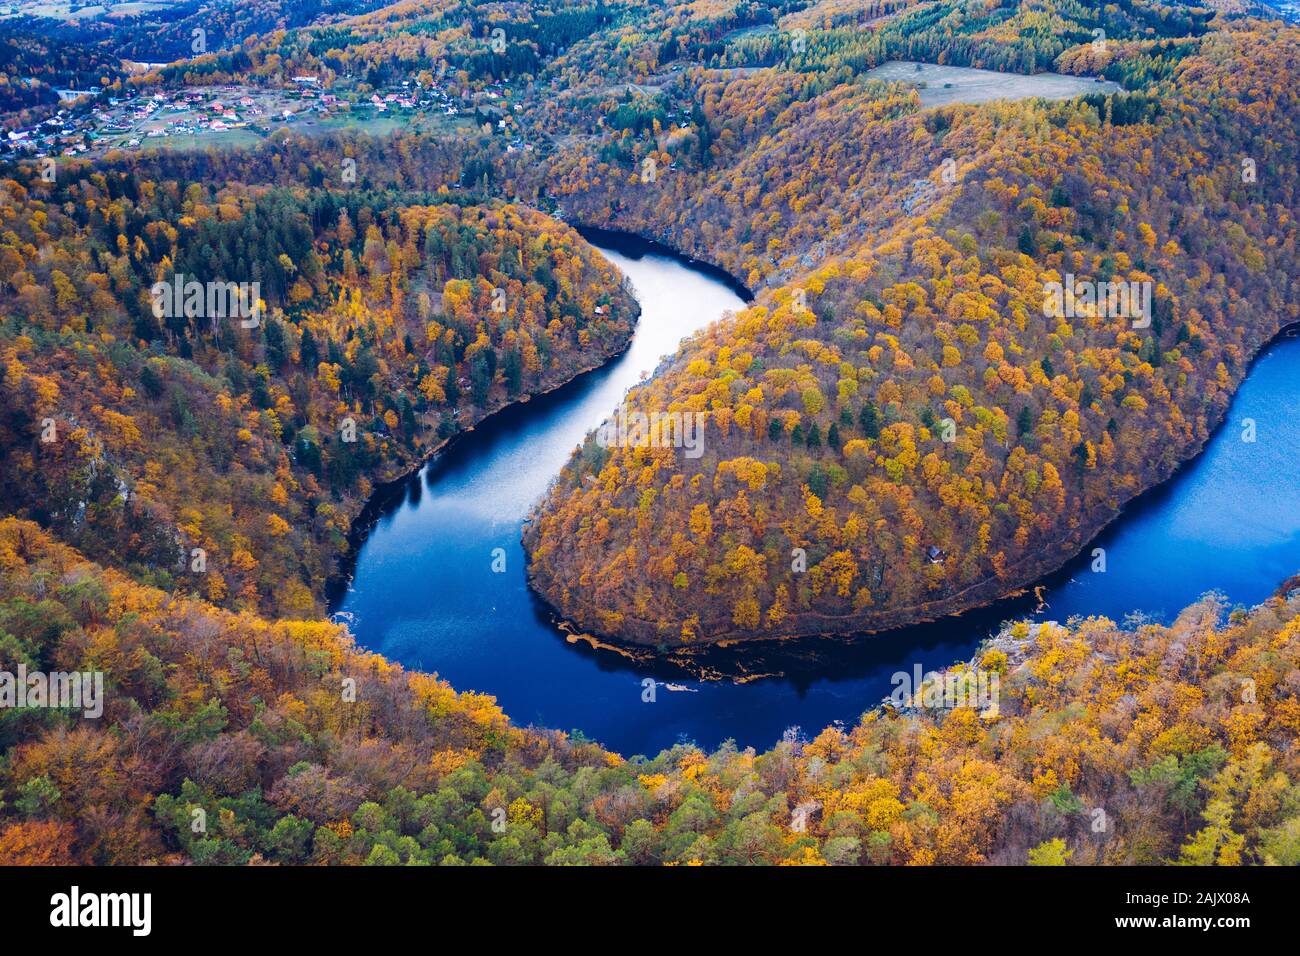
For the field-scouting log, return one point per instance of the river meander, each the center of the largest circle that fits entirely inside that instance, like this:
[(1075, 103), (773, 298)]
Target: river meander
[(424, 592)]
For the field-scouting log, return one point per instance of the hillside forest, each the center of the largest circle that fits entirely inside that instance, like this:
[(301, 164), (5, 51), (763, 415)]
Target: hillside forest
[(896, 428)]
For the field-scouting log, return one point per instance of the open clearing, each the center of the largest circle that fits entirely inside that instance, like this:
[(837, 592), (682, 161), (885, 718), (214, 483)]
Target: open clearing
[(943, 85)]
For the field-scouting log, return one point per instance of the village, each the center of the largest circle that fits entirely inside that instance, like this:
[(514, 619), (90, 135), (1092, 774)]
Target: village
[(91, 124)]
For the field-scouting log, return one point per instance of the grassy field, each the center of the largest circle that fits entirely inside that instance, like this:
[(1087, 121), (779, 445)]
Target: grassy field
[(382, 124), (224, 139), (941, 85)]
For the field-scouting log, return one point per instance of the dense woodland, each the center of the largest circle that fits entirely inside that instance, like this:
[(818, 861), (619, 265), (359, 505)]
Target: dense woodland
[(898, 387), (1113, 746), (410, 320), (895, 407)]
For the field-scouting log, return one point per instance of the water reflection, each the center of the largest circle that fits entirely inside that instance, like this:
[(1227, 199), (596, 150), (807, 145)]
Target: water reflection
[(424, 592)]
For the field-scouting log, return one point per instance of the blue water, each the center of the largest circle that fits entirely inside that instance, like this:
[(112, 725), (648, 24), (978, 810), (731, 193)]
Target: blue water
[(424, 592)]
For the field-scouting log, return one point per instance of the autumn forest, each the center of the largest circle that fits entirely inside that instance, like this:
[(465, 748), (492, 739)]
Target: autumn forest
[(919, 410)]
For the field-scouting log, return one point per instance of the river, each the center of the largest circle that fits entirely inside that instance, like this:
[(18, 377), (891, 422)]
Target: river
[(424, 592)]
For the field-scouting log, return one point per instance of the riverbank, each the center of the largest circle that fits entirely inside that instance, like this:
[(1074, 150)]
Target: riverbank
[(640, 637), (425, 595), (390, 491)]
